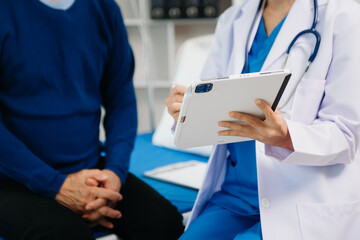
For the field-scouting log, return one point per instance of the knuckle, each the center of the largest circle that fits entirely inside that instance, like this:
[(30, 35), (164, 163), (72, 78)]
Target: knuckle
[(234, 133), (227, 124), (174, 107), (179, 98), (104, 211), (93, 217), (81, 207), (270, 133), (238, 115), (172, 91), (250, 121), (90, 194)]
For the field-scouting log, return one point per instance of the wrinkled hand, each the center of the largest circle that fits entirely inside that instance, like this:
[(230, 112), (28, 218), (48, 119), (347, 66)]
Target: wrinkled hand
[(99, 209), (272, 131), (75, 193), (174, 101)]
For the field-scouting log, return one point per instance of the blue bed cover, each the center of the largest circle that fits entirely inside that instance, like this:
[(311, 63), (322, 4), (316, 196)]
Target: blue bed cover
[(146, 156)]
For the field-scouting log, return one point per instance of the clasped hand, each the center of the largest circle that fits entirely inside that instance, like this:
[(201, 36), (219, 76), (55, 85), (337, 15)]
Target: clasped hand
[(93, 194)]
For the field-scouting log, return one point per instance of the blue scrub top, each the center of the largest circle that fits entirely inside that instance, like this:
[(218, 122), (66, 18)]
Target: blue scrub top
[(239, 192)]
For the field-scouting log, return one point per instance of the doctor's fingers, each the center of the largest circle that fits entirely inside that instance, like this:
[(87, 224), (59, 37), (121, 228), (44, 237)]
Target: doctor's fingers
[(174, 99), (273, 119), (247, 119), (174, 110), (173, 103), (236, 129), (256, 128), (265, 108), (263, 134), (178, 90)]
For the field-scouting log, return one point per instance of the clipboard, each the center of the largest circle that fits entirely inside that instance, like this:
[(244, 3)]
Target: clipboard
[(188, 174), (208, 102)]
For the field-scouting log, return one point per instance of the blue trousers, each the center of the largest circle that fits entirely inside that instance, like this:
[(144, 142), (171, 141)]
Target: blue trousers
[(215, 222)]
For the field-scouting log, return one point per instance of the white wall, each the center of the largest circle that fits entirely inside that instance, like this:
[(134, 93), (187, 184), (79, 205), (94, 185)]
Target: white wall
[(159, 96)]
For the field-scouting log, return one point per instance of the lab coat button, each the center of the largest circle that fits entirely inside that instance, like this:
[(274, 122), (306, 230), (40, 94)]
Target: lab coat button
[(265, 203)]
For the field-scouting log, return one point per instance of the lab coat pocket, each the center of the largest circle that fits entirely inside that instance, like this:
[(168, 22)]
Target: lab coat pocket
[(330, 221), (307, 99)]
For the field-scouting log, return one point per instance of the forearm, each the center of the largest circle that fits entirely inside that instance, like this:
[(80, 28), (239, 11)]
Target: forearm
[(120, 126), (20, 164)]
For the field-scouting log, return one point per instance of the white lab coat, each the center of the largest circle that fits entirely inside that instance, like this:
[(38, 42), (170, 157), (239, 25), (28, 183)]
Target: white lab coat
[(312, 193)]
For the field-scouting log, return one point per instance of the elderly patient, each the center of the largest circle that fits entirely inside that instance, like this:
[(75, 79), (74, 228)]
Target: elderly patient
[(60, 61)]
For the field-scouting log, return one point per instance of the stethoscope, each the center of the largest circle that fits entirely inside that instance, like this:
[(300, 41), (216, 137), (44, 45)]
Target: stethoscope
[(312, 30)]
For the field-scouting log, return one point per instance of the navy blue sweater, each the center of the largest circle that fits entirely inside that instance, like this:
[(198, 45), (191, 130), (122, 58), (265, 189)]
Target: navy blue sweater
[(56, 70)]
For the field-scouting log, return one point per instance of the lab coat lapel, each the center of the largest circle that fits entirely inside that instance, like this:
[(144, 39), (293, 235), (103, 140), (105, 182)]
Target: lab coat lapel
[(241, 31), (299, 18)]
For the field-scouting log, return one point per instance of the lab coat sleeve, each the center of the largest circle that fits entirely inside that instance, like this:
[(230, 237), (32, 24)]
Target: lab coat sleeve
[(333, 137), (120, 122)]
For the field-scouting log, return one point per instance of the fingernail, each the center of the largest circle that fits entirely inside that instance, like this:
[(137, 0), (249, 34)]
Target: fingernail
[(258, 102)]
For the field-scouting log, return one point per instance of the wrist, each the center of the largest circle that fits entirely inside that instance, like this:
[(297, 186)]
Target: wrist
[(288, 142)]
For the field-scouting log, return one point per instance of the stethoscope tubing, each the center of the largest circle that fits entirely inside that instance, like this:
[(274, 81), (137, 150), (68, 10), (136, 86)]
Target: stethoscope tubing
[(312, 57)]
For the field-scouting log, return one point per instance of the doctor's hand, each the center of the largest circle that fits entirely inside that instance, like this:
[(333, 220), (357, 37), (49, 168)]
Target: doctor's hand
[(174, 101), (98, 210), (272, 131)]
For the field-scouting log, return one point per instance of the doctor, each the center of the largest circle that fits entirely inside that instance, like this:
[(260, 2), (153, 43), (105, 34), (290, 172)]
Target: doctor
[(300, 179)]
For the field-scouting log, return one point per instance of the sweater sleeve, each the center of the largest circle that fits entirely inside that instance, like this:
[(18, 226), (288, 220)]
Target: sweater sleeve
[(120, 122), (17, 162)]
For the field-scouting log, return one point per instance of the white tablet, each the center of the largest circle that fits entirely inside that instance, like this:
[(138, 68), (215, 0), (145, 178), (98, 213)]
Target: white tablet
[(208, 102)]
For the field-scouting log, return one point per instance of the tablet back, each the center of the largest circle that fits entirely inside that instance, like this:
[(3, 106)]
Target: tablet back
[(208, 102)]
